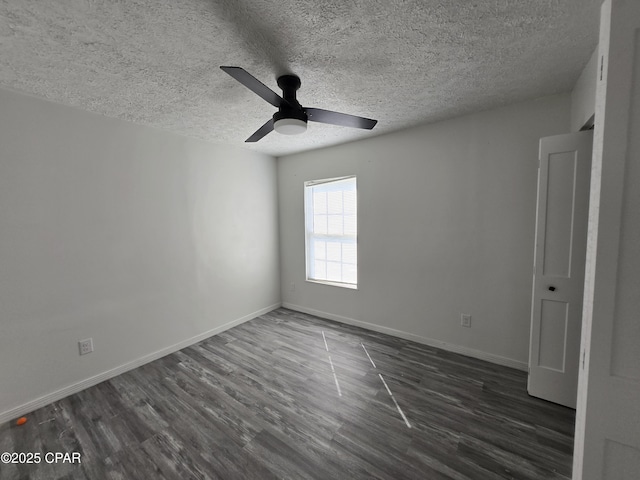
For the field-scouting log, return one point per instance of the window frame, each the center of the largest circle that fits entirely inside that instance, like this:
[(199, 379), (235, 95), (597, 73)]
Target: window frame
[(310, 236)]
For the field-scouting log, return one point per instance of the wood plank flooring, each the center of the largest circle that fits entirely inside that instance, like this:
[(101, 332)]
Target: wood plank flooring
[(270, 399)]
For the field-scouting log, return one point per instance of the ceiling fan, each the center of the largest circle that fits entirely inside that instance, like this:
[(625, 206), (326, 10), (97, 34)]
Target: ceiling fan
[(291, 117)]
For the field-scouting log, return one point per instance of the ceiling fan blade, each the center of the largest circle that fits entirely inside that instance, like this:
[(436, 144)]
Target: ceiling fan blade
[(261, 132), (255, 85), (336, 118)]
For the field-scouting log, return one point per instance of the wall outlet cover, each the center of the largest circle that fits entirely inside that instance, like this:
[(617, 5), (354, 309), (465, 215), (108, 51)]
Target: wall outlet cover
[(85, 346), (465, 320)]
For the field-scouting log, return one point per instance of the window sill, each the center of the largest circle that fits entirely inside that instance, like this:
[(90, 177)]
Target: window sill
[(334, 284)]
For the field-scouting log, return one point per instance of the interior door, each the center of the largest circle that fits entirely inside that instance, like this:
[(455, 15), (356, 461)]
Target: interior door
[(560, 252), (607, 440)]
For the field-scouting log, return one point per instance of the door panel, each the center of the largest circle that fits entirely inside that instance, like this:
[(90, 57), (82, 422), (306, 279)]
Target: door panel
[(561, 236), (554, 318), (559, 215)]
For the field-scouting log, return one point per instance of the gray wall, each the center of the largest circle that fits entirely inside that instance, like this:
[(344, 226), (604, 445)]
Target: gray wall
[(138, 238), (446, 226)]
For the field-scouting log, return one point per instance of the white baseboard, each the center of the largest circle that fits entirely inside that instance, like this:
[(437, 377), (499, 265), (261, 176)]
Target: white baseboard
[(101, 377), (450, 347)]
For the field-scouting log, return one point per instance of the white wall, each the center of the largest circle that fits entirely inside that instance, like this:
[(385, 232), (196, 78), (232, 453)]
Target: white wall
[(446, 225), (583, 96), (138, 238)]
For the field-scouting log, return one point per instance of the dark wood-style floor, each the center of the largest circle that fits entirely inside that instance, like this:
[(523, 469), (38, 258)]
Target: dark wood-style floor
[(261, 401)]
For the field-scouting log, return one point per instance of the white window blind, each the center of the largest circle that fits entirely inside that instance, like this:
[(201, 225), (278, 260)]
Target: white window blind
[(331, 224)]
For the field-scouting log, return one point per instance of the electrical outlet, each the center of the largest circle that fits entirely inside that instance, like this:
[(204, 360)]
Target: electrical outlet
[(85, 346), (465, 320)]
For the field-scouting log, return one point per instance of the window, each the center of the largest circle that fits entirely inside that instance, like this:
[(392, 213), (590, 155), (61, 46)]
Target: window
[(331, 224)]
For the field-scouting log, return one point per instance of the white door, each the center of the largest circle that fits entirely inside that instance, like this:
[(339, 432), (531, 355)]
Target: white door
[(607, 440), (558, 279)]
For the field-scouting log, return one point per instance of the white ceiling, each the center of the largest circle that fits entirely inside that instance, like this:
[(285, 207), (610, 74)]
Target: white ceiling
[(402, 62)]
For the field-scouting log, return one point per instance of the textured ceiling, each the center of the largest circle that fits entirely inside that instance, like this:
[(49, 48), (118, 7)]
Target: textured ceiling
[(402, 62)]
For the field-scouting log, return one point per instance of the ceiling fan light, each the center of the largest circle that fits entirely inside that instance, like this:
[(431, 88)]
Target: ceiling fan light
[(290, 126)]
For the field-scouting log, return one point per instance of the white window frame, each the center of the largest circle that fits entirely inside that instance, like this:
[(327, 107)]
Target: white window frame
[(310, 236)]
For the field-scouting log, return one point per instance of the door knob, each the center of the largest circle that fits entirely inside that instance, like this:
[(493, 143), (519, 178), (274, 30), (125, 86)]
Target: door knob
[(552, 288)]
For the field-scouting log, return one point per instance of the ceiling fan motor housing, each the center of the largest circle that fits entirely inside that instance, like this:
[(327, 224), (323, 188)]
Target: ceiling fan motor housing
[(290, 119), (290, 113)]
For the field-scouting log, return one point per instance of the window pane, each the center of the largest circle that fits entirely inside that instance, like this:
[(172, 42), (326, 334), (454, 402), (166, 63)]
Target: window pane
[(349, 253), (320, 270), (335, 202), (320, 224), (319, 202), (349, 273), (334, 251), (334, 272), (319, 251), (350, 202), (350, 225), (335, 225)]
